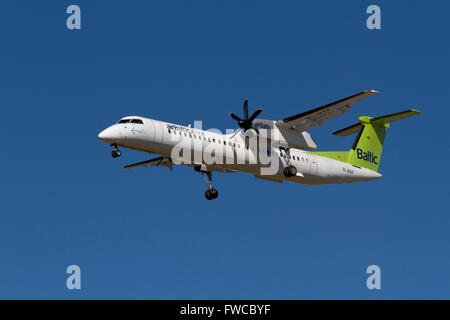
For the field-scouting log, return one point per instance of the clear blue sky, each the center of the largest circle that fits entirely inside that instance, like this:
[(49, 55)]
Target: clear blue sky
[(147, 233)]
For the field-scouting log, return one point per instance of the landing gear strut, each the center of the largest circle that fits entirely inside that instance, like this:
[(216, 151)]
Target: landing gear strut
[(115, 152), (211, 193)]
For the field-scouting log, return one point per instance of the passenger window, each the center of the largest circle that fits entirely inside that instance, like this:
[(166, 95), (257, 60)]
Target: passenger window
[(169, 130), (214, 140)]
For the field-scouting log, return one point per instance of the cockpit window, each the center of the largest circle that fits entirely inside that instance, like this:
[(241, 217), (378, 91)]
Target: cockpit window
[(136, 121), (124, 121)]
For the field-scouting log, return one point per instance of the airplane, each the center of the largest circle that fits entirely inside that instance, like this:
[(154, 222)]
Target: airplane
[(277, 151)]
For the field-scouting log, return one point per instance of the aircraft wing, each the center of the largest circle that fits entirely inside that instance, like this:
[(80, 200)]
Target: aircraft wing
[(167, 162), (156, 162), (315, 117)]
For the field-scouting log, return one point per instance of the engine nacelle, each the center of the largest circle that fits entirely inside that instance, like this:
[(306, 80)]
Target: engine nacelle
[(284, 137)]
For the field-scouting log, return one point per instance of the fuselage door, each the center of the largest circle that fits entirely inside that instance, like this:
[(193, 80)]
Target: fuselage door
[(123, 132), (313, 163)]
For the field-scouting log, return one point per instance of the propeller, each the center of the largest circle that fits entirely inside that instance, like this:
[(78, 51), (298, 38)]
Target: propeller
[(247, 122)]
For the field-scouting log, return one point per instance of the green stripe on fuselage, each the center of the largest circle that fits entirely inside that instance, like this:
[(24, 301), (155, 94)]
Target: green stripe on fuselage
[(335, 155)]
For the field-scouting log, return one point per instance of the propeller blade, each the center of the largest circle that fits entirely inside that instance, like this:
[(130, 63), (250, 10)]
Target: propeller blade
[(245, 108), (246, 122), (255, 114), (235, 117)]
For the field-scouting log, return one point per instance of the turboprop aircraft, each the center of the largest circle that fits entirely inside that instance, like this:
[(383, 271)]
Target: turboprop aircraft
[(271, 150)]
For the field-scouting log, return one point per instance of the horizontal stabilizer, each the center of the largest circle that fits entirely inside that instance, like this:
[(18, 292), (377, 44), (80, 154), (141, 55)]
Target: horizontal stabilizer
[(349, 130), (379, 120), (395, 116)]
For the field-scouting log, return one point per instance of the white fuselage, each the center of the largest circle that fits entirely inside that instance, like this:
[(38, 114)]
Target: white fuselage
[(164, 138)]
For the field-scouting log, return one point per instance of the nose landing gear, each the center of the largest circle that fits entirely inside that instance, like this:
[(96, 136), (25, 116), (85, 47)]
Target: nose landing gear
[(211, 193), (115, 152)]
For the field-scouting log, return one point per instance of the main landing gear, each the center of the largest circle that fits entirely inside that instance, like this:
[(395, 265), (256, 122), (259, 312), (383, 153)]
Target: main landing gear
[(115, 152), (290, 170), (211, 193)]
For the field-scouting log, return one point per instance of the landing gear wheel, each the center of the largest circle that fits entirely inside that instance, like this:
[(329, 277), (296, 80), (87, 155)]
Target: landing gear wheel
[(211, 194), (116, 153), (290, 171)]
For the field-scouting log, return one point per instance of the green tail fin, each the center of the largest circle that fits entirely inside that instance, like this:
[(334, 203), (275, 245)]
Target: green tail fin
[(368, 144)]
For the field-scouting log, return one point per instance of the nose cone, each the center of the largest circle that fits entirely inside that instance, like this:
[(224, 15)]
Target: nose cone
[(109, 135)]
